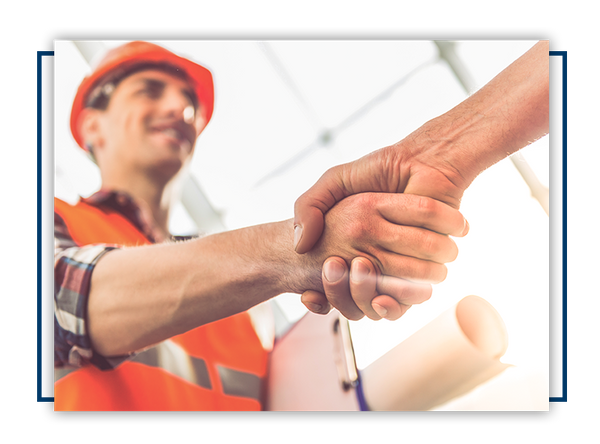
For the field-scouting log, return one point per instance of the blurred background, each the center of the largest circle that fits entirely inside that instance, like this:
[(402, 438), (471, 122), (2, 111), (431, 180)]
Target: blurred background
[(286, 111)]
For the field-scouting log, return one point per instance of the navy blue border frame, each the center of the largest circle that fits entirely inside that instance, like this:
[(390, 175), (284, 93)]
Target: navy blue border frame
[(40, 398), (41, 54), (565, 218)]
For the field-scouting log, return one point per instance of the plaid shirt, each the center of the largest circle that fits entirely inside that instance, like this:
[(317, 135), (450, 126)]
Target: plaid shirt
[(73, 267)]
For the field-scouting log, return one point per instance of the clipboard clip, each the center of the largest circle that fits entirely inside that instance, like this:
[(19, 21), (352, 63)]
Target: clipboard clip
[(344, 354)]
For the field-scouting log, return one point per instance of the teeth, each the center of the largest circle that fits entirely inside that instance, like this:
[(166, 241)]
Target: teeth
[(172, 133)]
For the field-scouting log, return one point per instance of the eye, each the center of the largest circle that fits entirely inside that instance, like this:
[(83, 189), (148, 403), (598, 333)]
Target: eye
[(151, 88), (152, 91), (192, 99)]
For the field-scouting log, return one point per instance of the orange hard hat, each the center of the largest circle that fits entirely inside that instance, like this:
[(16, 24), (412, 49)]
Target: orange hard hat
[(127, 57)]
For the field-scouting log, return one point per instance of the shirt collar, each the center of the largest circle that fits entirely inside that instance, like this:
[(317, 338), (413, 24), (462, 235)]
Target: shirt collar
[(126, 205)]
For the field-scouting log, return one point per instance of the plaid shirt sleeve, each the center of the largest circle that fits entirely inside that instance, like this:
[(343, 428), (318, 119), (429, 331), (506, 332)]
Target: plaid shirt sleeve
[(73, 267)]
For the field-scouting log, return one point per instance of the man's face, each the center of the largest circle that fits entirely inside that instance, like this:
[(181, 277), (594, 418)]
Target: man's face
[(150, 123)]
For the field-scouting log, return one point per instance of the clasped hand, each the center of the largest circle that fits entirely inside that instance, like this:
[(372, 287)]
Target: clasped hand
[(394, 246)]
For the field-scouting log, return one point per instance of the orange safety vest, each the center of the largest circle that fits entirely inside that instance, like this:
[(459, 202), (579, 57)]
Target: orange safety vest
[(224, 361)]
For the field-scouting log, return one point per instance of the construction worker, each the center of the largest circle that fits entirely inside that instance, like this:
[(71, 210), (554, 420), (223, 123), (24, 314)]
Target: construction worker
[(165, 326), (438, 160)]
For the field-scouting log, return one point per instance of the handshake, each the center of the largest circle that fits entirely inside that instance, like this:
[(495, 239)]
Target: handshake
[(405, 235), (382, 250), (396, 246)]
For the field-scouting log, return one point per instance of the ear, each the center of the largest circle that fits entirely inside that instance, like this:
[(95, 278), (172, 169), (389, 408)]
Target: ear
[(90, 127)]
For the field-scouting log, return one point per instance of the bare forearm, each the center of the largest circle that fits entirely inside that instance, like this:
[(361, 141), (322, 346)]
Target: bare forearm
[(141, 296), (508, 113)]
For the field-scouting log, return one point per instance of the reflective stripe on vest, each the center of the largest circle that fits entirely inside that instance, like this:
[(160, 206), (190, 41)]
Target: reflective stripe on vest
[(218, 366)]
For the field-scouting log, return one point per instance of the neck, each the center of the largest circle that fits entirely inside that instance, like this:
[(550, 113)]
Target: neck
[(154, 196)]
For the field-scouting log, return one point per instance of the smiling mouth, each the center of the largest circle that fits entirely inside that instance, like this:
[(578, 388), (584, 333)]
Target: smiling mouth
[(175, 135)]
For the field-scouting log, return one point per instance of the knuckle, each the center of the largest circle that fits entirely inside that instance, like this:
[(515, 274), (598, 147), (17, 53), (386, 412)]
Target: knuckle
[(362, 204), (368, 200), (428, 244), (361, 230), (357, 229), (426, 208), (439, 248)]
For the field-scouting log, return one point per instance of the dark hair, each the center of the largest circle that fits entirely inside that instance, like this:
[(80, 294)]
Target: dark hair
[(99, 96)]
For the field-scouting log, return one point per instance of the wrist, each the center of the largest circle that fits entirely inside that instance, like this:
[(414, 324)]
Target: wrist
[(465, 141), (268, 255), (296, 273), (452, 141)]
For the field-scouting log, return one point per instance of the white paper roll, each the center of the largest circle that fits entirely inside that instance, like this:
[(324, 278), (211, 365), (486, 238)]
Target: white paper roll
[(451, 355)]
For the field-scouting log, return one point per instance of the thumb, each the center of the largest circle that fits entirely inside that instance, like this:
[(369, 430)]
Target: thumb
[(308, 226), (310, 208)]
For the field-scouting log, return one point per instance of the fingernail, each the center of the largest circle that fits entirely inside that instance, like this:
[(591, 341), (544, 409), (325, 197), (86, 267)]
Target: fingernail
[(297, 235), (358, 272), (379, 310), (466, 228), (333, 271)]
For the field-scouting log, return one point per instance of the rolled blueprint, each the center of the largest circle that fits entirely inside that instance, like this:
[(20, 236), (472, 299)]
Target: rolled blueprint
[(451, 355)]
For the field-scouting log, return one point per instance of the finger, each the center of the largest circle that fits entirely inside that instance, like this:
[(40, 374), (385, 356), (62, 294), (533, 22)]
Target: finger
[(420, 211), (410, 268), (337, 289), (312, 205), (308, 227), (403, 291), (363, 285), (416, 242), (387, 307), (316, 302)]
